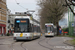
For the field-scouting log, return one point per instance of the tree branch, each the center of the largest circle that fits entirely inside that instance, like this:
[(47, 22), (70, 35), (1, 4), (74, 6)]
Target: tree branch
[(69, 7), (72, 2)]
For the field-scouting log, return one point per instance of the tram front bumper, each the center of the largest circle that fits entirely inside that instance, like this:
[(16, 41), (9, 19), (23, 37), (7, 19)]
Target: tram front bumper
[(23, 38), (51, 34)]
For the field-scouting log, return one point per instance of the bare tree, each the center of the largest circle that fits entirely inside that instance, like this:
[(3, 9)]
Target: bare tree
[(52, 11)]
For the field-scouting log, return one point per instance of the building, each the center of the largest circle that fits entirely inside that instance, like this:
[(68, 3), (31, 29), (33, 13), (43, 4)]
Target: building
[(7, 25), (10, 24), (3, 15)]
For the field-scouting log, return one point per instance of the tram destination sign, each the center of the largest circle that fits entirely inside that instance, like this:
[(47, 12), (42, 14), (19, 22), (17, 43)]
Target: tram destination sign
[(21, 21)]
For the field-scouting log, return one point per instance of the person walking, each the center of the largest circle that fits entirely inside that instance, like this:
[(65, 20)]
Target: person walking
[(9, 31), (60, 31)]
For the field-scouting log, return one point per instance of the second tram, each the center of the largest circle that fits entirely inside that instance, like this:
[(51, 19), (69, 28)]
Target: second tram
[(50, 29)]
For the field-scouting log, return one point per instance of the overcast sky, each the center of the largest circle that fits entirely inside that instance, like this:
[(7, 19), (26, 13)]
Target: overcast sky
[(24, 6), (27, 4)]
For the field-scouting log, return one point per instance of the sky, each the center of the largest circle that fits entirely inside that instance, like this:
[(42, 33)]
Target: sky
[(29, 5), (24, 5), (64, 21)]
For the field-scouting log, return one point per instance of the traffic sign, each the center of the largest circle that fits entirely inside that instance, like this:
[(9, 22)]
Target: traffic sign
[(72, 24)]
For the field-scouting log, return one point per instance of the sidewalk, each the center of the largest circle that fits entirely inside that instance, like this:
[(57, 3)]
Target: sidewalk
[(69, 42), (4, 37)]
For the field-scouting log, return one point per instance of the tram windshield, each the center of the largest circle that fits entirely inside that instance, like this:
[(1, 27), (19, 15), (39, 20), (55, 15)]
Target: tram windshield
[(48, 28), (21, 26)]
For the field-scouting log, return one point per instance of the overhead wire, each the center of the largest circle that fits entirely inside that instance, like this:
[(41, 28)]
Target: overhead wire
[(20, 5)]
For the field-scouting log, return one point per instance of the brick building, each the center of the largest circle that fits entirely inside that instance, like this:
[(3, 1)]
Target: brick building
[(3, 15)]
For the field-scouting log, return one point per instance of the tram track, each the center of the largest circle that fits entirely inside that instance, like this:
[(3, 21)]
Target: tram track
[(43, 45), (48, 41), (13, 45), (21, 45)]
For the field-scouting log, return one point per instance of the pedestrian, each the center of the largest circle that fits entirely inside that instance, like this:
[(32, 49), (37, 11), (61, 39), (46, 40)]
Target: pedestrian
[(9, 31), (60, 31)]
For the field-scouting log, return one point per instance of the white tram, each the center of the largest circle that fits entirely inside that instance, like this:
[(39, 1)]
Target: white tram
[(50, 29), (25, 28)]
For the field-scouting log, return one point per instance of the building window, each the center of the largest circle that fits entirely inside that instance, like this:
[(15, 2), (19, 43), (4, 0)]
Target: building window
[(8, 21), (11, 25)]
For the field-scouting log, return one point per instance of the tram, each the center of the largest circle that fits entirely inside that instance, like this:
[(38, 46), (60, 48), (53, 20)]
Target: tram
[(50, 29), (25, 28)]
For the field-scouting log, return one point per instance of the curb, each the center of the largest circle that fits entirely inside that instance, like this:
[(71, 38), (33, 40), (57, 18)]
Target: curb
[(68, 43)]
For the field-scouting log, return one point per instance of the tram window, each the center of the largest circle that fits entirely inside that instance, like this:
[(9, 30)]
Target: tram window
[(38, 29), (31, 28), (51, 28), (35, 28)]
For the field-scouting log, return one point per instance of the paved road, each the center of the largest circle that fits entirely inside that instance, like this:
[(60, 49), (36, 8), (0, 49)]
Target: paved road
[(43, 43)]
